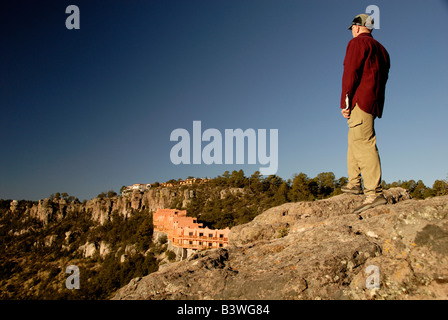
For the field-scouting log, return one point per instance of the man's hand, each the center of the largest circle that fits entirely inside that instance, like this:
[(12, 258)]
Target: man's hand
[(345, 113)]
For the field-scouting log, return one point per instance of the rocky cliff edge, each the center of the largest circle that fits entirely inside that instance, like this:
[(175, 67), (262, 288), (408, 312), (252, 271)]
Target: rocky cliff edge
[(318, 250)]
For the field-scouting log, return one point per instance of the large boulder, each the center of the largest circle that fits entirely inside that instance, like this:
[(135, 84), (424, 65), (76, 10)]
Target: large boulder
[(318, 250)]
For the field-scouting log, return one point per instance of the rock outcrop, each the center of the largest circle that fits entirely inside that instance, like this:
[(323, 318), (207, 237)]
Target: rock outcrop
[(318, 250)]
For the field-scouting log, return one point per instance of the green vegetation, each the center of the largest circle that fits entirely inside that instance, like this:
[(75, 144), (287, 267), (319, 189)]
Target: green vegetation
[(283, 232), (65, 196), (418, 189), (34, 256), (170, 255)]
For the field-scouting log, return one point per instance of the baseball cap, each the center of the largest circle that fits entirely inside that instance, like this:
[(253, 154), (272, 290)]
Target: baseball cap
[(362, 20)]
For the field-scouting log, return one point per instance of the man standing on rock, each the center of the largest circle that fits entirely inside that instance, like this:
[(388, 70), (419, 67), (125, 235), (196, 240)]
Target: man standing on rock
[(366, 69)]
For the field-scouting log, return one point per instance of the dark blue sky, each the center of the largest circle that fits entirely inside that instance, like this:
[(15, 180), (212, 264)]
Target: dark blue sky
[(89, 110)]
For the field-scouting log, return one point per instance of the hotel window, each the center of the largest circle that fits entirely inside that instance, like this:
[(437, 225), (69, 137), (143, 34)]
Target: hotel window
[(210, 235), (220, 245), (221, 236), (190, 234), (190, 242), (201, 234), (209, 244)]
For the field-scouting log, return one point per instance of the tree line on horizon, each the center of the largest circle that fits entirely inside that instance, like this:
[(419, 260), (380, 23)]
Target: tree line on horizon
[(300, 187), (257, 194), (304, 188)]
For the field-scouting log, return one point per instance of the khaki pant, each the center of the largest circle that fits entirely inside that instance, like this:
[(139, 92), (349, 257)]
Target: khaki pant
[(362, 155)]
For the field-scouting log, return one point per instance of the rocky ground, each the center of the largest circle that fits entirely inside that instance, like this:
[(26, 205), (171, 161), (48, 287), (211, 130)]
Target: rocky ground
[(318, 250)]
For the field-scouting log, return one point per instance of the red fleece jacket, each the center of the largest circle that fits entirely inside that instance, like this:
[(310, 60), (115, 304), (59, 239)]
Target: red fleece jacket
[(366, 70)]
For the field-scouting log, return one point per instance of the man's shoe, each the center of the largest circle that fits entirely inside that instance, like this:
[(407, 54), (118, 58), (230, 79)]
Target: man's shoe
[(350, 188), (370, 202)]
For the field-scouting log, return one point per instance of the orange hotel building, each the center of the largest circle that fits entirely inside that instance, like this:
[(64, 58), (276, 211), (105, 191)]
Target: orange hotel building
[(185, 232)]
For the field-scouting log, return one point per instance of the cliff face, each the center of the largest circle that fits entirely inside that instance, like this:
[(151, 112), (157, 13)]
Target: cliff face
[(108, 238), (318, 250), (101, 209)]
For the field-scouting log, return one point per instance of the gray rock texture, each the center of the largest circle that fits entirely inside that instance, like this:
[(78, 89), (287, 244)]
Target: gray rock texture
[(318, 250)]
